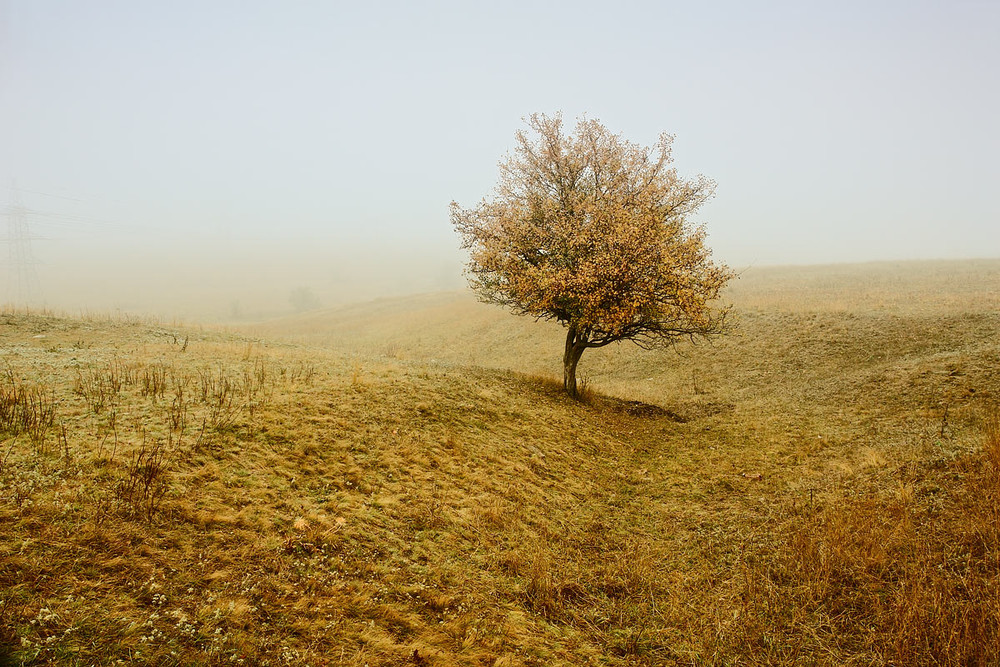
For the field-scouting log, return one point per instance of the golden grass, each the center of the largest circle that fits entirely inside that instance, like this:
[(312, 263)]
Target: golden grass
[(821, 488)]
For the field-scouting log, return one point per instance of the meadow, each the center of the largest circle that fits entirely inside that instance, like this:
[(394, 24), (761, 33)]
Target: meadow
[(403, 482)]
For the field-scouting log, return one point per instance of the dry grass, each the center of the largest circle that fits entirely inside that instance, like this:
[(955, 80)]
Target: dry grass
[(907, 575), (821, 488)]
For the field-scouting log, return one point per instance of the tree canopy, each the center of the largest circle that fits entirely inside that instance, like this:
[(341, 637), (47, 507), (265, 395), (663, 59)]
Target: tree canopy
[(593, 231)]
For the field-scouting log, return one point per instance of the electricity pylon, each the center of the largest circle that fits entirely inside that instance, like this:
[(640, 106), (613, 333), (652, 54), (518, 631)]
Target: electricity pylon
[(23, 287)]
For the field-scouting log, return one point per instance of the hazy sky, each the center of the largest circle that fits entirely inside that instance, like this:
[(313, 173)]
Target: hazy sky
[(837, 131)]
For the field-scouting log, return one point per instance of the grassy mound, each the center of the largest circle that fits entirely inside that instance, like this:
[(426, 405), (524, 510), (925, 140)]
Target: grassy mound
[(821, 488)]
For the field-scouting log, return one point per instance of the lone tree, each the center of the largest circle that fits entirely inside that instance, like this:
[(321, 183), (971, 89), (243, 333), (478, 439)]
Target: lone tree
[(592, 231)]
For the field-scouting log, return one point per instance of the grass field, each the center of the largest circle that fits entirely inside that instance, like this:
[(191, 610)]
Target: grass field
[(402, 482)]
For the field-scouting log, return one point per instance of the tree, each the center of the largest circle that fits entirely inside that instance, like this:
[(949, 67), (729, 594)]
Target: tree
[(593, 231), (303, 299)]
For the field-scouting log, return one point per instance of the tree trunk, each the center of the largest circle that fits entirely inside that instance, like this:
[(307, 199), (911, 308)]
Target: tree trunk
[(575, 345)]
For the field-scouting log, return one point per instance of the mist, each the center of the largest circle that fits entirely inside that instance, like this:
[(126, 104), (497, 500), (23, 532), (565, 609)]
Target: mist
[(234, 281), (243, 160)]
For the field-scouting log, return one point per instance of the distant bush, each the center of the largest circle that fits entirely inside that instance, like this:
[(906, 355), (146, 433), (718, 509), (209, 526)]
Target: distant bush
[(303, 299)]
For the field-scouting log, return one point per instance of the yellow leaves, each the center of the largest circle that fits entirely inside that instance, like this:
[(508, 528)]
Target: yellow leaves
[(592, 230)]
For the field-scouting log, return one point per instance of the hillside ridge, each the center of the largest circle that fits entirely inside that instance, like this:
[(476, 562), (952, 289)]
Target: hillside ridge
[(807, 486)]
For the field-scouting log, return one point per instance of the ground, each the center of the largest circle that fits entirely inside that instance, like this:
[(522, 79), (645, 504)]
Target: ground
[(404, 483)]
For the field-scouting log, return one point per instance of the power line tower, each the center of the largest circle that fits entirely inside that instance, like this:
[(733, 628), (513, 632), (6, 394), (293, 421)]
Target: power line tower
[(23, 287)]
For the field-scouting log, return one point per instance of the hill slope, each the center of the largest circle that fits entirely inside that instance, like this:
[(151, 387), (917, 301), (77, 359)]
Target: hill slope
[(817, 487), (784, 306)]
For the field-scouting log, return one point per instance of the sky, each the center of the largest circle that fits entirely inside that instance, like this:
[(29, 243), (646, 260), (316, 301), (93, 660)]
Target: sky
[(240, 148)]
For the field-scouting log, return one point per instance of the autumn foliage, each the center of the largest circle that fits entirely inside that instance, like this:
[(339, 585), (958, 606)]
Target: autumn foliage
[(593, 231)]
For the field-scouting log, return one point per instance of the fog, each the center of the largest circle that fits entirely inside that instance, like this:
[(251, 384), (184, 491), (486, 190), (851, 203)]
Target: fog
[(235, 281), (241, 160)]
